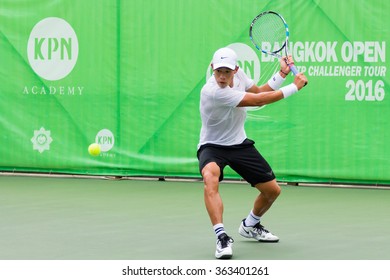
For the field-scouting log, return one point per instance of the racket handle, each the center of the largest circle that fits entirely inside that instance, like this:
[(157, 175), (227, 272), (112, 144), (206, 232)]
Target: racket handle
[(293, 68)]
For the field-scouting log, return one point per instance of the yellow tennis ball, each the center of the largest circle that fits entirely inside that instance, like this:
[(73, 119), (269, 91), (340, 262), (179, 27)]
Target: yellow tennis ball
[(94, 149)]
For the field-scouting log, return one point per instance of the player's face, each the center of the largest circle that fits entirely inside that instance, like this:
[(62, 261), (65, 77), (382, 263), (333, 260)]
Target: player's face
[(224, 76)]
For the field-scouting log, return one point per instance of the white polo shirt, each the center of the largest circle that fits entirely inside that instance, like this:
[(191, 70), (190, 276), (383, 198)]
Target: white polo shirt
[(222, 121)]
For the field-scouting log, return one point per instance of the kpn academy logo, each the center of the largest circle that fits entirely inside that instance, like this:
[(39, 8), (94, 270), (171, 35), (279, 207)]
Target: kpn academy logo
[(52, 51), (52, 48)]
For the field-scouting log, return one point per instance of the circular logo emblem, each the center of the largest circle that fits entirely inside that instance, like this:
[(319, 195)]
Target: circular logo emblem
[(52, 48), (105, 139)]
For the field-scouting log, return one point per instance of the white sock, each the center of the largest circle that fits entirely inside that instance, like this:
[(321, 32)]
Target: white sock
[(252, 219), (219, 229)]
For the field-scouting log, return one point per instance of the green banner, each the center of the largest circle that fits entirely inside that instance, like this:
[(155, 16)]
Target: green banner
[(128, 74)]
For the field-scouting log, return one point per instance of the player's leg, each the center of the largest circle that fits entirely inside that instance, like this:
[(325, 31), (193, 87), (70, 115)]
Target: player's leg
[(250, 164), (251, 226), (269, 192), (212, 198), (214, 205)]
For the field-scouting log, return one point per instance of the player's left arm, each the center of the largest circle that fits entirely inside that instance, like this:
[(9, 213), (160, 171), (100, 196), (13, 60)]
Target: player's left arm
[(257, 89), (277, 79), (268, 97)]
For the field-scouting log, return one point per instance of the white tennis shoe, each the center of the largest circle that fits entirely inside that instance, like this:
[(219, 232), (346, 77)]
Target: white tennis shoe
[(224, 247), (257, 232)]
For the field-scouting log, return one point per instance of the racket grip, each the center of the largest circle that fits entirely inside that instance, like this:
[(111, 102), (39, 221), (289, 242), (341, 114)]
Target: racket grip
[(293, 68)]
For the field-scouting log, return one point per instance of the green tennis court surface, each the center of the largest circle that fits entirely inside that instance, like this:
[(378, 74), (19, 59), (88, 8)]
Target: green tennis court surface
[(96, 219)]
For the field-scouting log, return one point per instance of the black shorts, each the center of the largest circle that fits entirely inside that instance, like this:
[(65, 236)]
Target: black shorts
[(244, 159)]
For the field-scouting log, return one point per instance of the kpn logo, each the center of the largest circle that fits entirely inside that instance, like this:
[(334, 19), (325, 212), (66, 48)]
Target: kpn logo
[(52, 48), (105, 138)]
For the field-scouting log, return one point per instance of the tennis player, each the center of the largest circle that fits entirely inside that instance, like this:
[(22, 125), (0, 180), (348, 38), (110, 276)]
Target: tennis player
[(223, 141)]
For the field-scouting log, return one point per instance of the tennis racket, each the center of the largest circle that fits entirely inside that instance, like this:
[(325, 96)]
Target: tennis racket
[(269, 33)]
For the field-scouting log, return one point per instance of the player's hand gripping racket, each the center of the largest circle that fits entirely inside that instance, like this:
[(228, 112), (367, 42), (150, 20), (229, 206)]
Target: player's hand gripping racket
[(269, 29)]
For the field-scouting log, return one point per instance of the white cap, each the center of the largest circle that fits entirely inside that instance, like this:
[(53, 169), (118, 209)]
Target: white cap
[(225, 57)]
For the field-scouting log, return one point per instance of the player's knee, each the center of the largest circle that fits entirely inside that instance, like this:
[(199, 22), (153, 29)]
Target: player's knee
[(210, 173), (273, 192), (211, 181), (277, 191)]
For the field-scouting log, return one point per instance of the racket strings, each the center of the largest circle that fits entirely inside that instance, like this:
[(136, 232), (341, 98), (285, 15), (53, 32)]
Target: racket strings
[(269, 30)]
